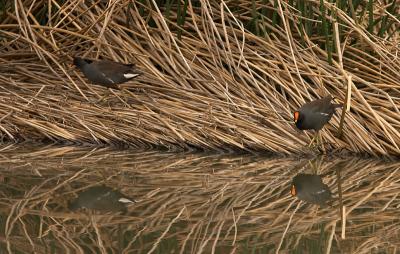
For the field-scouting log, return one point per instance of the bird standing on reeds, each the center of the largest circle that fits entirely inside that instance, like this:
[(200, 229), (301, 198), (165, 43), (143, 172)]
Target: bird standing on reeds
[(106, 73), (315, 114)]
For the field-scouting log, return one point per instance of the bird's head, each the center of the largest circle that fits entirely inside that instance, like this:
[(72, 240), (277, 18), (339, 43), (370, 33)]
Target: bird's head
[(79, 62)]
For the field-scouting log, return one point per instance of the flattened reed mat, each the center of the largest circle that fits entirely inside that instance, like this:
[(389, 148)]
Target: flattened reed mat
[(214, 75)]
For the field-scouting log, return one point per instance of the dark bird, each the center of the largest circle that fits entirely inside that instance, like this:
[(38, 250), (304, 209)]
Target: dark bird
[(310, 188), (101, 198), (315, 114), (105, 72)]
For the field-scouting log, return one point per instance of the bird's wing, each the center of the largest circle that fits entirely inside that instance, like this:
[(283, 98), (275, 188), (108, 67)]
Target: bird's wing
[(110, 68), (320, 106)]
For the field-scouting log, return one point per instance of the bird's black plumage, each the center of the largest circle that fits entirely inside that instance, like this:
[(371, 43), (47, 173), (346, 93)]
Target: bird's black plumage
[(105, 72), (101, 198), (310, 188), (315, 114)]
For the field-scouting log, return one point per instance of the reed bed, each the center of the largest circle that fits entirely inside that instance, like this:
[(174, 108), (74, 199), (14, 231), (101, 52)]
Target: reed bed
[(195, 203), (217, 76)]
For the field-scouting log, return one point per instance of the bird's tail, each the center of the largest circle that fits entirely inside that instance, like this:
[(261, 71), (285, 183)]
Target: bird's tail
[(338, 104)]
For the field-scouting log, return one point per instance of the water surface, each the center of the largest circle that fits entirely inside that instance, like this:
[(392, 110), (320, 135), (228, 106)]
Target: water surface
[(194, 203)]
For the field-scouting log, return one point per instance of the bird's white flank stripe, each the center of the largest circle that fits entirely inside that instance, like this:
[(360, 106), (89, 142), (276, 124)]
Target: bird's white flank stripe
[(125, 200), (130, 75)]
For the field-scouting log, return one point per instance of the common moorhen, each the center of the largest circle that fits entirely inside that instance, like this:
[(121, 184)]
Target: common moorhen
[(101, 198), (315, 114), (310, 188), (105, 72)]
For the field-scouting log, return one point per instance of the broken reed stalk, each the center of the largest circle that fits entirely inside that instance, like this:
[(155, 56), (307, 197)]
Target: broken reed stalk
[(346, 105), (340, 198), (208, 81)]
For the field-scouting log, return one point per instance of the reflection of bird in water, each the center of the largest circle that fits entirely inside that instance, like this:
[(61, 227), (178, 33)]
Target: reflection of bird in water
[(101, 198), (106, 73), (310, 188)]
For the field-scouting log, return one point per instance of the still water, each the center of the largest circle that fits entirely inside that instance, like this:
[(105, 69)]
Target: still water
[(77, 200)]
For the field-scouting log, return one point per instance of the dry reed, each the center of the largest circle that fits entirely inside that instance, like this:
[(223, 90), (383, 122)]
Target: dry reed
[(208, 83), (194, 203)]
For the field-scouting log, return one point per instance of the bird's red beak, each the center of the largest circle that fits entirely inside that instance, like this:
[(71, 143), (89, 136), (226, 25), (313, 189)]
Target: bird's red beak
[(293, 191), (296, 116)]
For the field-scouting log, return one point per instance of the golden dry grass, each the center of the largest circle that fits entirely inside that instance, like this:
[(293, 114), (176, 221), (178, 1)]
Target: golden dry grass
[(218, 87), (194, 203)]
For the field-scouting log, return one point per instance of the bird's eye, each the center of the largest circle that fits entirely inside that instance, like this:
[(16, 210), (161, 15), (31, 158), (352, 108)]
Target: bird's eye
[(293, 191)]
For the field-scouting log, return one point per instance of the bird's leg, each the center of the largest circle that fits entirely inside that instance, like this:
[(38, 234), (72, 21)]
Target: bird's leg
[(321, 143), (104, 97), (313, 139), (314, 169)]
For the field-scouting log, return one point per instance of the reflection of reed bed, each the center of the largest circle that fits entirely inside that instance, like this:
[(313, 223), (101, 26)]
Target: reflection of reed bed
[(195, 202), (209, 82)]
